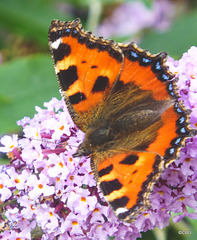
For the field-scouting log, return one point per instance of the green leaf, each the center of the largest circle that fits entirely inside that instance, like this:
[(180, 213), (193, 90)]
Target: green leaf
[(25, 83), (4, 161), (147, 3), (177, 40), (86, 3), (193, 231), (29, 18)]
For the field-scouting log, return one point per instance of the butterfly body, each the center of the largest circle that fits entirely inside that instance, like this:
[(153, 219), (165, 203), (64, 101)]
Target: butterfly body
[(126, 102), (124, 123)]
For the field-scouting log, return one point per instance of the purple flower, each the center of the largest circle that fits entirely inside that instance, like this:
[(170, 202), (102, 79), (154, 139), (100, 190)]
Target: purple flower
[(9, 143), (5, 185), (130, 18), (45, 188)]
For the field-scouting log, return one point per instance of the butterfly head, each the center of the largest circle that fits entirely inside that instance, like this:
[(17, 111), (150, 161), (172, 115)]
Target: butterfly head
[(96, 139)]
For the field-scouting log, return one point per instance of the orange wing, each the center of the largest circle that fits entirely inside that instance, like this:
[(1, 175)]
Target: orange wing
[(126, 180), (86, 67), (150, 74)]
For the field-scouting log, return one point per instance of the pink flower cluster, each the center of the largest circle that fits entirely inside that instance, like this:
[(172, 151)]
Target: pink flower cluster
[(48, 194)]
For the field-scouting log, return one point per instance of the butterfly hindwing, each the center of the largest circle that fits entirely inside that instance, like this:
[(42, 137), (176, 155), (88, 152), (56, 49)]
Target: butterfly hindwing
[(126, 181)]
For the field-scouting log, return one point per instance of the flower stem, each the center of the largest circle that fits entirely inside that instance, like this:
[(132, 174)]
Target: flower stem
[(95, 9)]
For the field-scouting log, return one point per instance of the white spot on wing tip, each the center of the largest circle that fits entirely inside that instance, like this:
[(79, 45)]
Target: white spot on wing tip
[(56, 70), (56, 44)]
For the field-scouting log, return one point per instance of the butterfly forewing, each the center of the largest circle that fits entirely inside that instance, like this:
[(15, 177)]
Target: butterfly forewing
[(87, 69)]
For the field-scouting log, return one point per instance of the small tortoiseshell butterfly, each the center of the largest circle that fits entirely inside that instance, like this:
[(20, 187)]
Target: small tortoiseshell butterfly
[(126, 102)]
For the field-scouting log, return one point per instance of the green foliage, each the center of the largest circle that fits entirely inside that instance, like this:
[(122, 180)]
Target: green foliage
[(193, 224), (27, 82), (177, 40), (29, 18), (4, 161)]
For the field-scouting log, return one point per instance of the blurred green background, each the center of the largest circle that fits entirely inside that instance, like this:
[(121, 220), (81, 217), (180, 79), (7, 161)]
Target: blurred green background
[(26, 70)]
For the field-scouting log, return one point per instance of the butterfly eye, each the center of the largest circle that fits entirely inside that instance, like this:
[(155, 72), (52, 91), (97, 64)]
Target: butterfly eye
[(84, 149)]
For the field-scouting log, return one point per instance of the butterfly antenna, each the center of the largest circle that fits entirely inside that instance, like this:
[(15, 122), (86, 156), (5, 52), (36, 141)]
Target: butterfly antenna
[(36, 139)]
